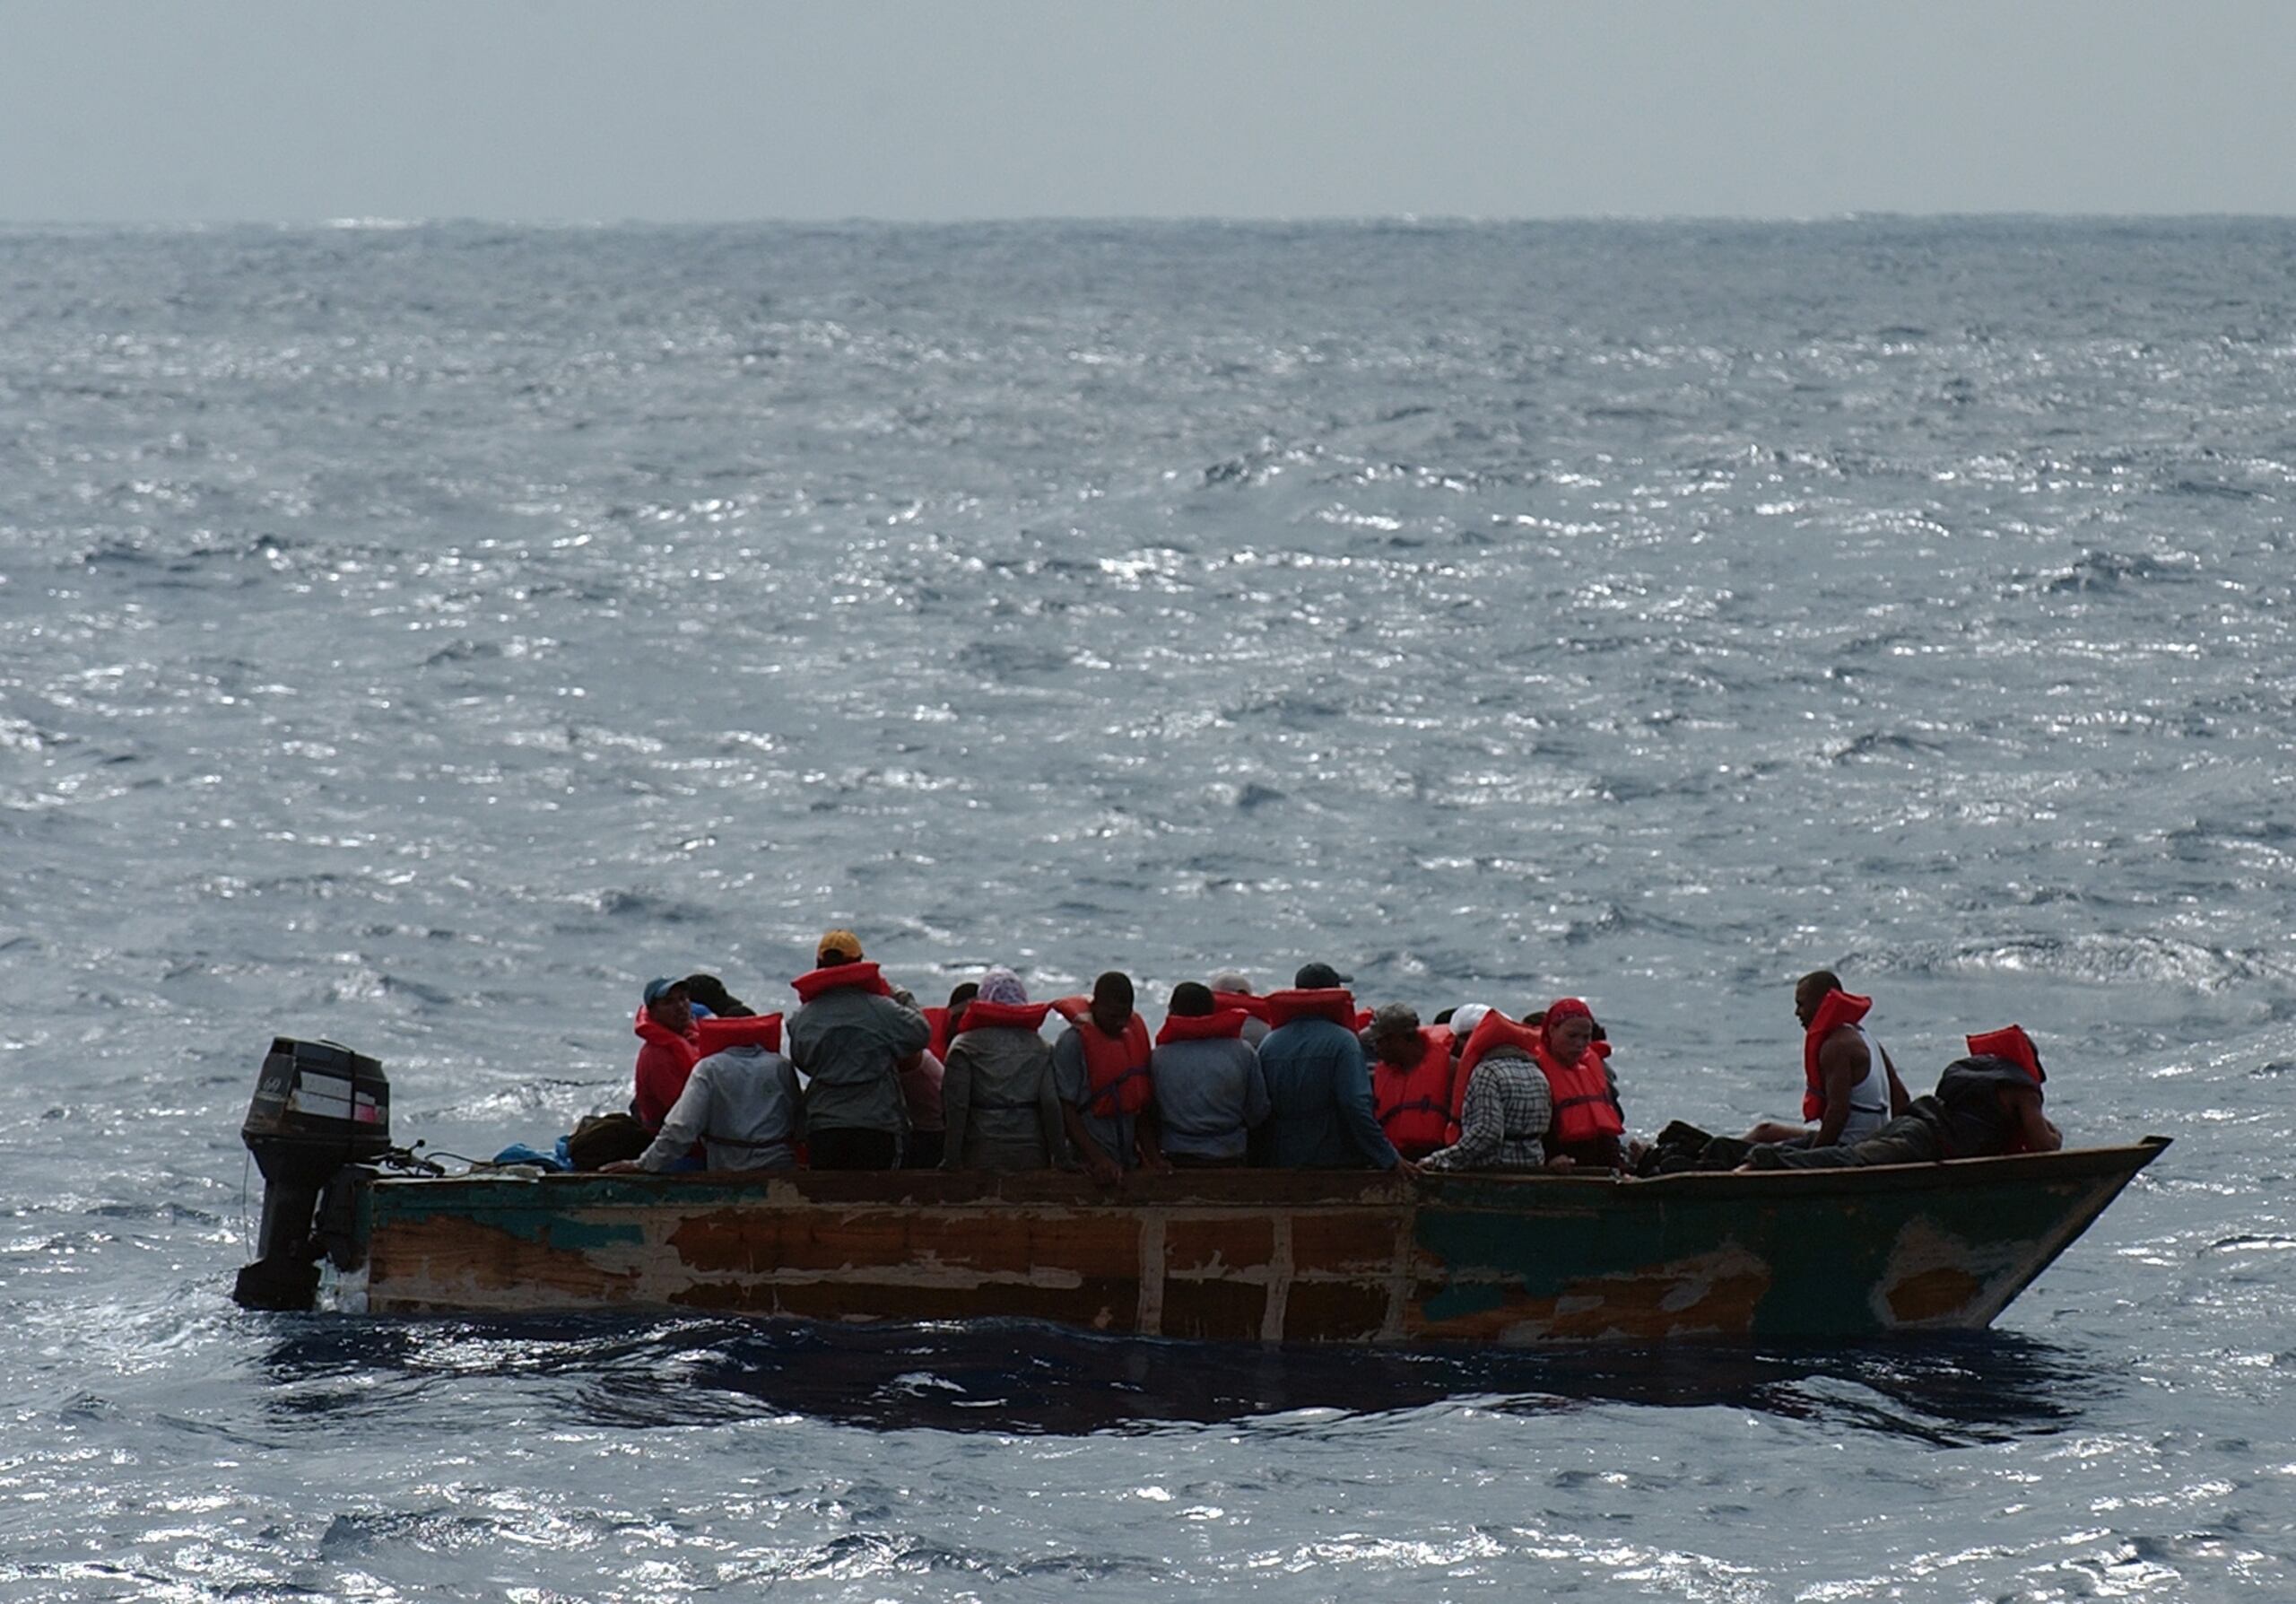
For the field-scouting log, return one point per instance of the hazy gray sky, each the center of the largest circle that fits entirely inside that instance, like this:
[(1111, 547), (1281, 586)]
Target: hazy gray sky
[(261, 109)]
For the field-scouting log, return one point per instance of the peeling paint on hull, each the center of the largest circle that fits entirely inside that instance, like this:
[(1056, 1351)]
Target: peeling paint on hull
[(1263, 1255)]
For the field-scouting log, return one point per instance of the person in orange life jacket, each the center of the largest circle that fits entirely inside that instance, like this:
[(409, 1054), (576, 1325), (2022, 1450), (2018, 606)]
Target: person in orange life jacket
[(1987, 1103), (1505, 1106), (1600, 1045), (1209, 1089), (920, 1093), (1100, 1066), (853, 1041), (1002, 1112), (672, 1042), (1232, 990), (1850, 1088), (947, 1022), (741, 1105), (1412, 1071), (1589, 1124), (1319, 1083)]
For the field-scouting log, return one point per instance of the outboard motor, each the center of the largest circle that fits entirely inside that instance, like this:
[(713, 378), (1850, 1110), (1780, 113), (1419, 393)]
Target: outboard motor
[(318, 1107)]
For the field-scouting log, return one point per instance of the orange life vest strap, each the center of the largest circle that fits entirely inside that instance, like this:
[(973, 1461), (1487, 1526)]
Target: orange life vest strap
[(1334, 1003), (1256, 1006), (2011, 1043), (987, 1017), (814, 982), (1219, 1024), (1836, 1009), (721, 1030)]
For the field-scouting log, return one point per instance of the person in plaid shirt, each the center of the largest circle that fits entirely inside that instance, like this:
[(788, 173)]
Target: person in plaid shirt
[(1504, 1122)]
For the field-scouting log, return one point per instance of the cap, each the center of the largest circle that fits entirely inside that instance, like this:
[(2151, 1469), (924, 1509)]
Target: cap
[(838, 944), (1466, 1017), (1395, 1019), (1320, 977), (657, 989)]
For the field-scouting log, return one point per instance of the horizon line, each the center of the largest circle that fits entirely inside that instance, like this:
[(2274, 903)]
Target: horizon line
[(349, 223)]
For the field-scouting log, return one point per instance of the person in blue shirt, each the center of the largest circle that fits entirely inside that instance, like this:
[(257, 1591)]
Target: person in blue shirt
[(1319, 1083)]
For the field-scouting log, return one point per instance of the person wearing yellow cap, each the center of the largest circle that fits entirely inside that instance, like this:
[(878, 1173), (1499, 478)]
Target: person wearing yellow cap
[(853, 1041)]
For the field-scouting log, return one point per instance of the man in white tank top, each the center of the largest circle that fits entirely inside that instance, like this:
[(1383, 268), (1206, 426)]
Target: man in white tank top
[(1860, 1090)]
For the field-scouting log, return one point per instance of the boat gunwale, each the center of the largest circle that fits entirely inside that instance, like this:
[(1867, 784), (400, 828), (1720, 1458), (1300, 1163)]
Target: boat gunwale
[(1255, 1189)]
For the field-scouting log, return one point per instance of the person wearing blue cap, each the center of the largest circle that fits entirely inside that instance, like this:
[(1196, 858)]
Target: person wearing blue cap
[(674, 1041)]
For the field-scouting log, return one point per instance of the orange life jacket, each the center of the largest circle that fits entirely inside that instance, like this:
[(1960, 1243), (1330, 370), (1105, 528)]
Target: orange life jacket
[(1494, 1029), (1219, 1024), (1334, 1003), (941, 1019), (814, 982), (1583, 1109), (2011, 1043), (668, 1057), (980, 1016), (1837, 1008), (1256, 1006), (1414, 1104), (1117, 1066)]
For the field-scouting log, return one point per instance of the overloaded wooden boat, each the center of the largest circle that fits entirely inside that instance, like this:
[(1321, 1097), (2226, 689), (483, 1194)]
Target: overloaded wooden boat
[(1244, 1255)]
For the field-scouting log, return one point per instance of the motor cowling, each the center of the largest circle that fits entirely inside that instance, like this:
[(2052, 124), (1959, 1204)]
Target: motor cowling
[(319, 1108)]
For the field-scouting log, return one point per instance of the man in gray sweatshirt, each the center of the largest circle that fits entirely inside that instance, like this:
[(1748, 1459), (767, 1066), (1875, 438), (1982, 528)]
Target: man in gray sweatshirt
[(1209, 1089), (851, 1038)]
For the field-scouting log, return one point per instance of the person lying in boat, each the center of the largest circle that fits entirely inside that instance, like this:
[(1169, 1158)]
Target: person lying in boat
[(1412, 1072), (853, 1041), (1850, 1087), (1207, 1083), (1506, 1108), (1318, 1082), (672, 1042), (1101, 1069), (1986, 1105), (741, 1103), (996, 1090)]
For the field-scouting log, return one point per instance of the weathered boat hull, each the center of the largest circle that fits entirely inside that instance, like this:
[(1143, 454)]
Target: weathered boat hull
[(1261, 1255)]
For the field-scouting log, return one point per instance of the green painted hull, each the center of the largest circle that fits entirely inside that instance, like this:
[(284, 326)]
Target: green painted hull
[(1260, 1255)]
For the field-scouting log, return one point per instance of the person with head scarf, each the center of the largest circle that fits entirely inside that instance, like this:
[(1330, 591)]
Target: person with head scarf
[(997, 1096), (1589, 1124)]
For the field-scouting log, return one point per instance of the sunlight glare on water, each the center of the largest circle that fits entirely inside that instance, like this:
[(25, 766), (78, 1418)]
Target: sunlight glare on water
[(420, 634)]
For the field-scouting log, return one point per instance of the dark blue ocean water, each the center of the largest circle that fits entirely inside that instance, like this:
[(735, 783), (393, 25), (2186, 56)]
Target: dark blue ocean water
[(421, 636)]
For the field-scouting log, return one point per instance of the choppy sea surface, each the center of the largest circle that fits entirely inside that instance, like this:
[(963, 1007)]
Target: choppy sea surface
[(419, 636)]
